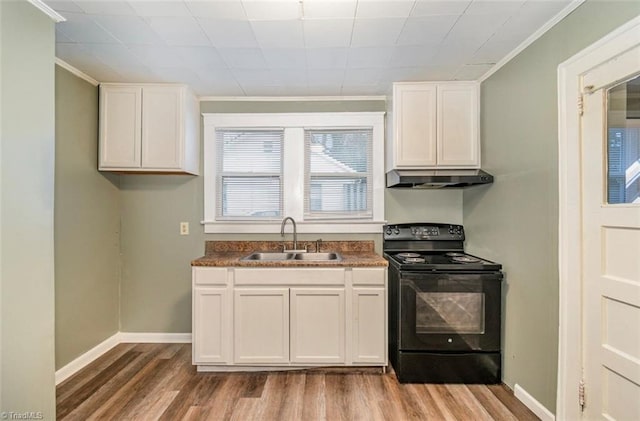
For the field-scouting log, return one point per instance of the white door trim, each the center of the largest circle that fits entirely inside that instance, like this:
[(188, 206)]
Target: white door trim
[(570, 215)]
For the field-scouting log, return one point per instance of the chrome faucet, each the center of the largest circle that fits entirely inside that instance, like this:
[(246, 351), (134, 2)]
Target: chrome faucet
[(295, 233)]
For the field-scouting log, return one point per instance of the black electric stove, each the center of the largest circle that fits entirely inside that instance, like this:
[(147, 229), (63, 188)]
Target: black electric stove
[(444, 306)]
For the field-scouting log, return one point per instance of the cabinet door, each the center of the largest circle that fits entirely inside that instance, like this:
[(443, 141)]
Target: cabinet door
[(369, 328), (211, 325), (317, 325), (414, 121), (261, 325), (162, 130), (120, 131), (458, 122)]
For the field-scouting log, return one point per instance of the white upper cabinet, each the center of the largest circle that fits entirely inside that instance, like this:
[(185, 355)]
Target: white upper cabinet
[(149, 128), (435, 125)]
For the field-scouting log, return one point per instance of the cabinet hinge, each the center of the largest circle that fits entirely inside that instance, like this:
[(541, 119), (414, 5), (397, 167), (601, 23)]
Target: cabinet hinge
[(581, 105), (581, 395)]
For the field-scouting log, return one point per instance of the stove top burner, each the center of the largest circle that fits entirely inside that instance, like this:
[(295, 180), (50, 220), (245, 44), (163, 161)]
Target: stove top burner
[(465, 259), (454, 254), (414, 259), (406, 255)]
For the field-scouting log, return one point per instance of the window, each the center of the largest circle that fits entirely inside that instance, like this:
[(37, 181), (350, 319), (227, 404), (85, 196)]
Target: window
[(323, 169)]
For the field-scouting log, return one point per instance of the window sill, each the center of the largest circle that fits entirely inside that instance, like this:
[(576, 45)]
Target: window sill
[(273, 227)]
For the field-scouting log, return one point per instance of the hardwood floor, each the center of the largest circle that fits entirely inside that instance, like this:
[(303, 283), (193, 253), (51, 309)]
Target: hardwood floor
[(158, 382)]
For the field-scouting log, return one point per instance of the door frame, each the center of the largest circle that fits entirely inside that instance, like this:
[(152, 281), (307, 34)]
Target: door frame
[(570, 209)]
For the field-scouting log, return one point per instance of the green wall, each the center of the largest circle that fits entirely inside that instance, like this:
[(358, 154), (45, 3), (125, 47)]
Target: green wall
[(87, 225), (26, 210), (156, 276), (515, 220)]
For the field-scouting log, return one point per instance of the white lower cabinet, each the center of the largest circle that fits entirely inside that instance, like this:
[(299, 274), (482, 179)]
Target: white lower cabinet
[(211, 309), (261, 325), (244, 317), (369, 314), (317, 325)]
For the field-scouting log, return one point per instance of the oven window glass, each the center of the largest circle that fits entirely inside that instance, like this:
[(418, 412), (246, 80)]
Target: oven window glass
[(450, 312)]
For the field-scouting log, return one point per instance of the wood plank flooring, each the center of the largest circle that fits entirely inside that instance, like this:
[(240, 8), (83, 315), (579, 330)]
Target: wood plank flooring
[(158, 382)]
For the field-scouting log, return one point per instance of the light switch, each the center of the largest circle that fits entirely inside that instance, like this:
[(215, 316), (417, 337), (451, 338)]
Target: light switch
[(184, 228)]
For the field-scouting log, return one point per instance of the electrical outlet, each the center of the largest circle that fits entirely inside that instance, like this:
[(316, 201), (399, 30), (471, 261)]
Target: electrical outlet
[(184, 228)]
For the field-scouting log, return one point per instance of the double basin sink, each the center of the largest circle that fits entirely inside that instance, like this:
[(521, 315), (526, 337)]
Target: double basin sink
[(279, 257)]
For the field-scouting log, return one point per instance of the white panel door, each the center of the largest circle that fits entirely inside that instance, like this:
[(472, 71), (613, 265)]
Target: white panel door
[(261, 325), (414, 117), (318, 325), (211, 325), (458, 125), (369, 328), (162, 120), (611, 241), (120, 126)]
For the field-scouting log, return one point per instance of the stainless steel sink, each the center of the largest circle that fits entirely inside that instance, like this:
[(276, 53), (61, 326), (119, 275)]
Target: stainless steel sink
[(274, 256), (269, 256), (318, 256)]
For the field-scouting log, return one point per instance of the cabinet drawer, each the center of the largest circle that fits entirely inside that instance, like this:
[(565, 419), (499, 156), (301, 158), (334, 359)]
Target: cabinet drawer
[(369, 276), (210, 276), (289, 276)]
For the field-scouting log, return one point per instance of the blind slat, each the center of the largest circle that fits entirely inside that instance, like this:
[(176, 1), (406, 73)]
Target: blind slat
[(338, 175), (249, 174)]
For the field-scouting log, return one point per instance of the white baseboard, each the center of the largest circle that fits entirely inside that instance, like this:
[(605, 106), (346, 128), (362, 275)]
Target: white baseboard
[(85, 359), (121, 337), (155, 338), (530, 402)]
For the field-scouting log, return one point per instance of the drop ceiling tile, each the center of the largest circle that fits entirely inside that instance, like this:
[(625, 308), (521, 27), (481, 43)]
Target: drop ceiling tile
[(249, 78), (160, 8), (360, 77), (82, 29), (258, 90), (493, 51), (472, 71), (413, 55), (477, 30), (64, 6), (61, 38), (324, 90), (290, 77), (272, 10), (490, 7), (327, 58), (325, 77), (138, 73), (153, 56), (331, 9), (217, 77), (243, 58), (426, 28), (179, 31), (285, 58), (403, 74), (130, 30), (200, 57), (177, 75), (384, 9), (278, 34), (215, 88), (376, 32), (439, 7), (369, 57), (324, 33), (454, 53), (230, 9), (360, 90), (532, 15), (117, 56), (116, 8), (228, 33)]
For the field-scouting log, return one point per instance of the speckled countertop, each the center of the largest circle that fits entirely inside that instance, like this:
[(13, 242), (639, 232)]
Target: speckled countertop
[(229, 253)]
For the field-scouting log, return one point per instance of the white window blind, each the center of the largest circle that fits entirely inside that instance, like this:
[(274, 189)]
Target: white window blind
[(249, 173), (338, 173)]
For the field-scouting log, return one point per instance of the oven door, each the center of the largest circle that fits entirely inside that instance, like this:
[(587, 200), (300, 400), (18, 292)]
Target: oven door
[(450, 311)]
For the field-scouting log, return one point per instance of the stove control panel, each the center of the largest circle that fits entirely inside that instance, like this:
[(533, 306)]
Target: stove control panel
[(423, 231)]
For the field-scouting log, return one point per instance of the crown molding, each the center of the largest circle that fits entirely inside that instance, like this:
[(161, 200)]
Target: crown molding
[(76, 72), (532, 38), (57, 17), (292, 98)]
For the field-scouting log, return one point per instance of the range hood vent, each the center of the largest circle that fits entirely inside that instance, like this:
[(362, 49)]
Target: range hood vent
[(437, 179)]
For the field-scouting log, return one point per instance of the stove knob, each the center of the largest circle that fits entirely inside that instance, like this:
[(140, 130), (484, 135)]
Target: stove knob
[(388, 232), (397, 231)]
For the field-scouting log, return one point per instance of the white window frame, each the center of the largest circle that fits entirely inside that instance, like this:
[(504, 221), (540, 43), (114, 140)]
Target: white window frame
[(293, 169)]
